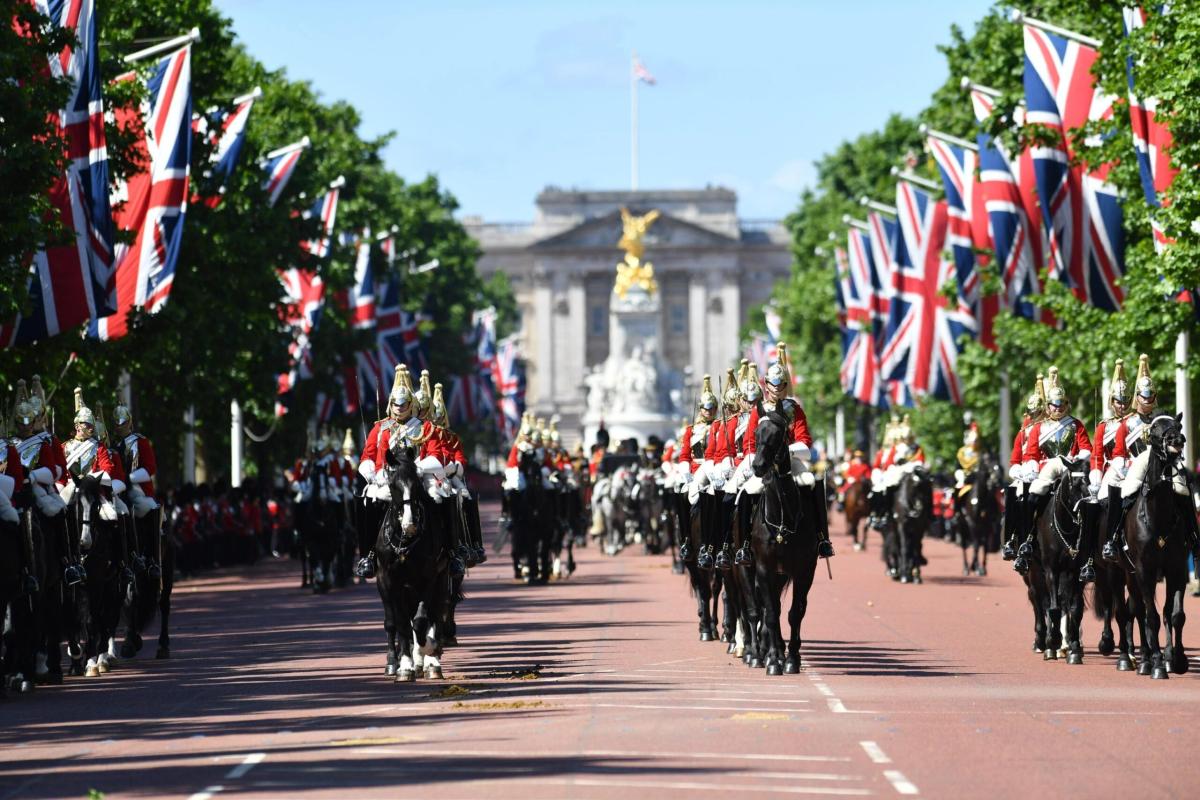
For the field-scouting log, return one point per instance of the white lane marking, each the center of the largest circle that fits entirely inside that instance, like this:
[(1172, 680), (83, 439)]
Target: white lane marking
[(247, 764), (875, 752), (726, 698), (207, 794), (676, 661), (823, 689), (638, 754), (684, 707), (900, 783), (836, 706)]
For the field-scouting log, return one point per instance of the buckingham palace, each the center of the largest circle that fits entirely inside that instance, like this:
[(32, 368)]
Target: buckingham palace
[(712, 267)]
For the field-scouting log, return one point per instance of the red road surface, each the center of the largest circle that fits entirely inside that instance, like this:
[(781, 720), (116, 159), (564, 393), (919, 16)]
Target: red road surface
[(922, 690)]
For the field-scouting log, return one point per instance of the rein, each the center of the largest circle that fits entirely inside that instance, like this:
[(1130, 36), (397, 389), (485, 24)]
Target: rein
[(1072, 551)]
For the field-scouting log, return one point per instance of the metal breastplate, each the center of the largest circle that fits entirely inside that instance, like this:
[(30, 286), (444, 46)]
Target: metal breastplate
[(1057, 440), (30, 450), (82, 453), (1137, 434)]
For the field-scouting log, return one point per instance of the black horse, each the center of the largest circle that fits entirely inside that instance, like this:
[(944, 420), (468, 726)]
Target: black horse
[(912, 510), (1158, 537), (978, 514), (316, 516), (152, 592), (101, 594), (532, 510), (413, 572), (1061, 529), (785, 544)]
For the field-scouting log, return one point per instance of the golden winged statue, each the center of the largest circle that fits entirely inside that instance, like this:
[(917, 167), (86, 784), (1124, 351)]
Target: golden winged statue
[(633, 271)]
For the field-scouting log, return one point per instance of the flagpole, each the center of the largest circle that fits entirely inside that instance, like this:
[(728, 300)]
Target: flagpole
[(633, 124), (171, 44), (1183, 396)]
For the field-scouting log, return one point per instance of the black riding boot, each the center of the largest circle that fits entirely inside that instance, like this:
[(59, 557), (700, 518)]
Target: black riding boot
[(1088, 536), (1011, 514), (685, 527), (1115, 517), (1034, 505), (708, 520), (475, 530), (724, 560), (820, 517), (744, 556)]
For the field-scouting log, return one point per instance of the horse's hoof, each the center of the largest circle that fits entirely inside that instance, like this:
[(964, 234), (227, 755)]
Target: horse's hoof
[(1143, 668), (76, 669), (1159, 674), (92, 672), (390, 670), (857, 547), (705, 636), (1179, 663), (127, 650), (1074, 658), (1050, 655), (981, 572), (918, 580), (746, 657), (755, 662), (1124, 663), (774, 669), (791, 666), (1106, 645), (904, 579), (450, 641), (433, 673), (726, 638), (103, 666), (966, 572), (732, 648), (162, 653), (405, 676)]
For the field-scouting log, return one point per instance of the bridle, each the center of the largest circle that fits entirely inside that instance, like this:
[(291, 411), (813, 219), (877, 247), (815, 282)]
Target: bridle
[(1074, 516)]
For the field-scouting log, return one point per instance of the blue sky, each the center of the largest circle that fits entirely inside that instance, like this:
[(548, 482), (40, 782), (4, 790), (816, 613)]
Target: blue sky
[(501, 99)]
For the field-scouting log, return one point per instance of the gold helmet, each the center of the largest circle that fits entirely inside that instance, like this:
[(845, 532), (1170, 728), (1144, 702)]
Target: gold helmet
[(555, 438), (424, 394), (82, 412), (24, 412), (1056, 394), (1119, 386), (402, 390), (348, 443), (708, 398), (539, 430), (526, 424), (37, 399), (1144, 388), (750, 387), (779, 374), (905, 433), (890, 431), (437, 408), (971, 436), (732, 395), (122, 415), (1036, 404)]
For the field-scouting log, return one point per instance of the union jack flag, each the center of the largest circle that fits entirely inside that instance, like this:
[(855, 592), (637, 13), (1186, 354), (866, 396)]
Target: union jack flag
[(1151, 137), (226, 133), (398, 332), (324, 210), (860, 373), (641, 73), (508, 378), (924, 327), (155, 200), (1081, 211), (70, 284), (279, 166), (967, 231), (303, 298), (361, 300), (884, 234), (841, 287), (1015, 237)]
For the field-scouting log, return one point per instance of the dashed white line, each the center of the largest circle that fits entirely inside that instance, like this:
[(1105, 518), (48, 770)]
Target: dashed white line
[(208, 793), (683, 707), (247, 764), (823, 689), (638, 754), (875, 753), (900, 783)]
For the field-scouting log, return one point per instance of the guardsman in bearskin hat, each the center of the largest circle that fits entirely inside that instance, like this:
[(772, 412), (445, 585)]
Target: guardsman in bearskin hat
[(692, 475), (136, 454), (1016, 519), (1050, 446), (778, 399)]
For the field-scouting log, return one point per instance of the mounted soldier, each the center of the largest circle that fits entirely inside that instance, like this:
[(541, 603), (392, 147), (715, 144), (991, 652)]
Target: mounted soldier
[(778, 401), (968, 459), (747, 486), (1016, 518), (692, 445), (42, 461), (1051, 446), (468, 549), (136, 455)]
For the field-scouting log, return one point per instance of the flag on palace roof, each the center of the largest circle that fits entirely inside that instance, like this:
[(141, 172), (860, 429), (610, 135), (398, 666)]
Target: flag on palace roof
[(155, 200), (71, 283), (1081, 210)]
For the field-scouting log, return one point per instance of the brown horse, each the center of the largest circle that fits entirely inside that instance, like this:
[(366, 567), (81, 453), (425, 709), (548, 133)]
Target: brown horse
[(856, 510)]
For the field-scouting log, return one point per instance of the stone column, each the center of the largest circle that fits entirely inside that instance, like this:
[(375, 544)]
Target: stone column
[(698, 322), (541, 348)]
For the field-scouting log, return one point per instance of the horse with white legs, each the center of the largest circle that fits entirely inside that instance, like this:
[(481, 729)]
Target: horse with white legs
[(412, 566)]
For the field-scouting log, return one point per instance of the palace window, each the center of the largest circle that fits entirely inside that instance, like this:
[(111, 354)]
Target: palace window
[(599, 320), (678, 318)]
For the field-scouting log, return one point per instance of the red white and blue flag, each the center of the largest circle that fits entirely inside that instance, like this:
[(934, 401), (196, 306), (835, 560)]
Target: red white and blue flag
[(361, 300), (226, 133), (325, 212), (300, 310), (924, 327), (279, 166), (967, 232), (860, 373), (884, 234), (72, 283), (1081, 210), (398, 332), (155, 201), (509, 382)]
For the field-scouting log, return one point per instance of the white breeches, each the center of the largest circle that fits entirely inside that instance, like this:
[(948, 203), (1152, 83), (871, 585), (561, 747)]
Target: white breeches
[(513, 479), (1137, 474), (1050, 472)]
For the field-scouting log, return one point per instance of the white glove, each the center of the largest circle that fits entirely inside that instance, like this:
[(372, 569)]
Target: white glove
[(1094, 489), (451, 469), (380, 478)]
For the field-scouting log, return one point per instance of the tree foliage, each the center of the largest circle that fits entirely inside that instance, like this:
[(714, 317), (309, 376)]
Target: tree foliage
[(220, 337), (1167, 58)]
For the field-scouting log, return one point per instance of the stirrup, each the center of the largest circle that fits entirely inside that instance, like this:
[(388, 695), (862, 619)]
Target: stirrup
[(153, 570), (365, 568), (1025, 550), (1008, 552), (480, 555), (1109, 551), (825, 549), (74, 574), (29, 584), (723, 562), (1088, 573), (704, 560), (457, 568), (685, 552), (1021, 565), (744, 557)]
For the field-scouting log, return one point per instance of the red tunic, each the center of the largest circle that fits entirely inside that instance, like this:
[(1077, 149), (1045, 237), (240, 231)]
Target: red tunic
[(1121, 440), (1105, 439), (1018, 448), (857, 470), (103, 462), (749, 442), (13, 468), (145, 459), (1033, 446), (379, 439), (717, 448)]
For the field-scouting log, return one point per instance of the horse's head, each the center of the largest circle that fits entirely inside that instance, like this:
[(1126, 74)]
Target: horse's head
[(402, 467), (769, 441), (915, 493), (1166, 436)]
